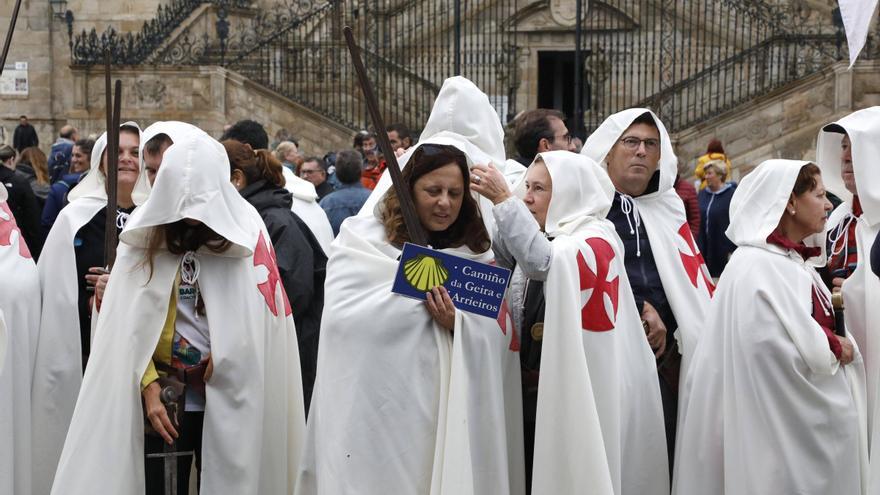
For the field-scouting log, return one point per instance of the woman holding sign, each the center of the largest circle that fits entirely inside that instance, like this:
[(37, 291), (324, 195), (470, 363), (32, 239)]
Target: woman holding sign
[(414, 396), (597, 411)]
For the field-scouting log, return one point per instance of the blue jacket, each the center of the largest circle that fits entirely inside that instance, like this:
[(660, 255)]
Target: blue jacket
[(343, 203), (59, 159), (714, 220), (56, 200)]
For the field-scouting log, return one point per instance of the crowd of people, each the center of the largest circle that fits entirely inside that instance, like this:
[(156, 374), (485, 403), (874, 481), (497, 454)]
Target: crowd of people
[(657, 336)]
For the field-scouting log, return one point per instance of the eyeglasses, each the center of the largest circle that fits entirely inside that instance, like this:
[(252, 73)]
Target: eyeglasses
[(632, 143), (304, 172), (566, 137)]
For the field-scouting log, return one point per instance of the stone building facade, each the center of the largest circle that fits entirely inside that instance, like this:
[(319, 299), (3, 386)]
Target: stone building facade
[(210, 96)]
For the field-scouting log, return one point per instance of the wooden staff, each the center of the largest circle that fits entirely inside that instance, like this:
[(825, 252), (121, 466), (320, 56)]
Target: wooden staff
[(407, 207), (9, 34), (111, 237)]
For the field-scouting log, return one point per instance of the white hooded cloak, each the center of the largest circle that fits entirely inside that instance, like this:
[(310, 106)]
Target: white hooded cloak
[(400, 405), (598, 384), (771, 410), (305, 205), (685, 278), (861, 290), (58, 360), (463, 117), (254, 416), (20, 309)]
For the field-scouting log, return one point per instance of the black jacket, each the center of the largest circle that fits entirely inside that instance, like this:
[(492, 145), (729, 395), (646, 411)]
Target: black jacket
[(24, 137), (25, 208), (301, 264)]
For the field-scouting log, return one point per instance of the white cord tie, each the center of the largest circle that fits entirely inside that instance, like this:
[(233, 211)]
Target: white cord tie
[(841, 232), (189, 274), (630, 209), (121, 219)]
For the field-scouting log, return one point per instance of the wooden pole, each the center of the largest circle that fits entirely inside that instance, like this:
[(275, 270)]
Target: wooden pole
[(410, 218), (9, 34)]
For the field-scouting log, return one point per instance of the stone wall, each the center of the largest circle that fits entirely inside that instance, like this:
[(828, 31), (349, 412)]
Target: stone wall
[(208, 97), (785, 123)]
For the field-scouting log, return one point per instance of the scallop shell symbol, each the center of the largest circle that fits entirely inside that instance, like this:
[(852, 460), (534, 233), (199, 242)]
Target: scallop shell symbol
[(424, 272)]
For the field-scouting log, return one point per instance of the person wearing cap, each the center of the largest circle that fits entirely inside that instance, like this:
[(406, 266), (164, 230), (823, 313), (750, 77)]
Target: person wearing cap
[(776, 400), (595, 417), (74, 258), (847, 151)]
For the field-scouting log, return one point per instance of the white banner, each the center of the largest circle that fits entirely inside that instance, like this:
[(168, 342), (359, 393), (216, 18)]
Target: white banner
[(857, 15)]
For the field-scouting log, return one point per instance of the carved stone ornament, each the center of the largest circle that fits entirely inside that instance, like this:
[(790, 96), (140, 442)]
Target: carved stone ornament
[(564, 12), (150, 92)]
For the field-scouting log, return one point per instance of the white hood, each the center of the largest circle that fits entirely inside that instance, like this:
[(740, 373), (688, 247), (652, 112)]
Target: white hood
[(463, 110), (300, 188), (581, 189), (759, 203), (172, 128), (863, 129), (601, 141), (93, 184), (193, 182), (462, 117)]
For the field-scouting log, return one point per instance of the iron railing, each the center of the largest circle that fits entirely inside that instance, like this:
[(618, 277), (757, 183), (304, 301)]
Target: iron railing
[(689, 60), (87, 48), (692, 59)]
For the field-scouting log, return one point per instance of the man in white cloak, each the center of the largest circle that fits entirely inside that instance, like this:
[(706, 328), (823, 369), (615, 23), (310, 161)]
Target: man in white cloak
[(254, 418), (20, 307), (599, 417), (847, 152), (400, 405), (771, 409), (58, 366), (669, 278)]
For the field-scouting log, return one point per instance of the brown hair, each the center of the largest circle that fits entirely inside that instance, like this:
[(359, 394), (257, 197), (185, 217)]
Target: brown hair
[(806, 179), (180, 237), (255, 165), (37, 160), (715, 146), (531, 128), (155, 144), (468, 229)]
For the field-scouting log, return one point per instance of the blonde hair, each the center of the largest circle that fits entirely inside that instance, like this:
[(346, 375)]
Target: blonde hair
[(283, 148), (718, 166)]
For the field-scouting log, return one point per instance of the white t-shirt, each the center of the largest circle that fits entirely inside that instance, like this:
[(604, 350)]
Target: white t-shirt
[(193, 328)]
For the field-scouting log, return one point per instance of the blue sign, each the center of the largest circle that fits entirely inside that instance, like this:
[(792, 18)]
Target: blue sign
[(473, 286)]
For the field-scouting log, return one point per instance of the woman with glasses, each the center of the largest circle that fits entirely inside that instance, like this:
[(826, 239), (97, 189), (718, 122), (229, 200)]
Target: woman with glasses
[(414, 396)]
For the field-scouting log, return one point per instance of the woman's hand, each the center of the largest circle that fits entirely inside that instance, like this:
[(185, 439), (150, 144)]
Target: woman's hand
[(441, 308), (157, 414), (209, 368), (97, 278), (488, 181), (846, 350), (656, 330)]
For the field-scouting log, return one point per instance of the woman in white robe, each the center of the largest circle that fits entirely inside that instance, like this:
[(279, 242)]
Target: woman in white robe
[(20, 309), (777, 400), (64, 328), (253, 414), (596, 413)]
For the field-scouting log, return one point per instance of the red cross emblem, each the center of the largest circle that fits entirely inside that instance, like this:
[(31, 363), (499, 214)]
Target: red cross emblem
[(264, 255), (693, 261), (505, 321), (595, 286), (7, 227)]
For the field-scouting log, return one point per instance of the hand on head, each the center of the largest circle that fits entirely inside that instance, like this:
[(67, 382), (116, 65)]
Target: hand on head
[(488, 181)]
